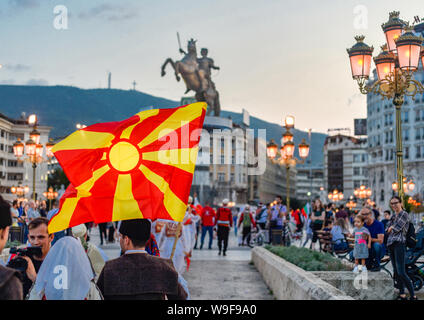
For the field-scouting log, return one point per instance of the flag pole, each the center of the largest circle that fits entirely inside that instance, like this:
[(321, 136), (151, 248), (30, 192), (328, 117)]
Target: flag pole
[(177, 235)]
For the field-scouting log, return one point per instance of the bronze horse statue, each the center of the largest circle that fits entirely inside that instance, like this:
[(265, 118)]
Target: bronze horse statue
[(195, 78)]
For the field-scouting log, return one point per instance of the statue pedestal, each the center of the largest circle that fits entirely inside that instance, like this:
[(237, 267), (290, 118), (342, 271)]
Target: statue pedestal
[(217, 123)]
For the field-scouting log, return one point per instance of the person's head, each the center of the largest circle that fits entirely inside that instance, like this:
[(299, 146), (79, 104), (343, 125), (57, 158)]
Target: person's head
[(134, 234), (190, 200), (225, 202), (387, 214), (318, 205), (247, 208), (5, 222), (341, 207), (368, 215), (39, 236), (15, 204), (279, 199), (80, 231), (341, 223), (359, 221), (396, 204), (32, 204), (328, 223), (204, 52)]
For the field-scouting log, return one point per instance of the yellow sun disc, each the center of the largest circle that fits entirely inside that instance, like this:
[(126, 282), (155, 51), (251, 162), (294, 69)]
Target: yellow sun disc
[(124, 156)]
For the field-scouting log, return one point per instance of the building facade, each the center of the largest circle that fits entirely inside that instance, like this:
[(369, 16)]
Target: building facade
[(381, 127), (309, 181), (221, 167), (12, 171), (345, 164)]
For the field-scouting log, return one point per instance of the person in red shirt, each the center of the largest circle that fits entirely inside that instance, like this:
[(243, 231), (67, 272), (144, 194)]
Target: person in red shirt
[(246, 218), (224, 221), (208, 217)]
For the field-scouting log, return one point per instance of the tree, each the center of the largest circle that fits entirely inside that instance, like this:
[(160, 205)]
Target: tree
[(57, 179)]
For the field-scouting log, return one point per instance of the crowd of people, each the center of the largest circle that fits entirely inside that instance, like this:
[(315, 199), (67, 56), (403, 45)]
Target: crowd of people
[(167, 246)]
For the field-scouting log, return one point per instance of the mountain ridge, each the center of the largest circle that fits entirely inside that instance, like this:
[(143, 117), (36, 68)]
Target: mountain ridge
[(89, 106)]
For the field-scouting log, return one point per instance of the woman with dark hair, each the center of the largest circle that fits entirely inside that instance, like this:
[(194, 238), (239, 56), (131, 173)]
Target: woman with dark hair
[(317, 218), (396, 231)]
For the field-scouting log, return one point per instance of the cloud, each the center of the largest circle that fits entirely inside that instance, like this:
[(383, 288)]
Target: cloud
[(110, 12), (16, 67), (37, 82), (24, 3)]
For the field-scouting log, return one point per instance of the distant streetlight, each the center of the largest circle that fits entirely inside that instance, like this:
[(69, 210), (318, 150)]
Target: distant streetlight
[(287, 153), (32, 149)]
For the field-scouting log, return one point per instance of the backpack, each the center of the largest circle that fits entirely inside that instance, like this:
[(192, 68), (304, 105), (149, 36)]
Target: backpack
[(411, 240)]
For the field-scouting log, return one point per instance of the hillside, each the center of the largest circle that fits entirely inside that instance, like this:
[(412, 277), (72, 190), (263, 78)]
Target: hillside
[(62, 107)]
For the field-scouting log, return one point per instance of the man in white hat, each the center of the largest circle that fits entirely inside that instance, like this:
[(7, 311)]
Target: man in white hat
[(224, 221)]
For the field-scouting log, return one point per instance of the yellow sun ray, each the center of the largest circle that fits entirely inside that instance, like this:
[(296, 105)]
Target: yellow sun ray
[(62, 219), (184, 159), (174, 122), (124, 205), (82, 139), (175, 207), (143, 115)]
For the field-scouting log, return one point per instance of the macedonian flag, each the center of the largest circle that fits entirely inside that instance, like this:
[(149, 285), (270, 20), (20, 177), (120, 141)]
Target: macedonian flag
[(141, 167)]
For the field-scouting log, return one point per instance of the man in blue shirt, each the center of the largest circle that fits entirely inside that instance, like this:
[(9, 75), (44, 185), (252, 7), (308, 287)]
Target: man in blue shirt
[(277, 213), (376, 229)]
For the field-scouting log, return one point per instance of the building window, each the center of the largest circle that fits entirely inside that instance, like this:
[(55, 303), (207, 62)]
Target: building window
[(221, 176), (382, 176), (406, 152), (356, 171), (406, 134), (382, 195), (418, 153)]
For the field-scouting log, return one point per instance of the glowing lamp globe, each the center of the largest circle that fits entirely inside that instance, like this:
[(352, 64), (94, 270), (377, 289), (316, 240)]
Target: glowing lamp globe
[(409, 50), (30, 148), (393, 29), (271, 149), (18, 148), (385, 63), (289, 122), (35, 136), (288, 149), (411, 186), (360, 56), (32, 119), (303, 149), (394, 186)]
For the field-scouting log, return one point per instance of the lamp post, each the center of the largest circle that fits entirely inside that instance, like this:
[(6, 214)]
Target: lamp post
[(286, 156), (50, 195), (32, 149), (395, 65)]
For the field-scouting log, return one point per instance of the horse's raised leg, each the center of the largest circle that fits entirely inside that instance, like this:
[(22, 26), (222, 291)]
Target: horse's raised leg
[(169, 60)]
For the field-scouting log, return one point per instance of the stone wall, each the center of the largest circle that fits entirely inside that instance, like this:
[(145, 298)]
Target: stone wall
[(289, 282), (363, 286)]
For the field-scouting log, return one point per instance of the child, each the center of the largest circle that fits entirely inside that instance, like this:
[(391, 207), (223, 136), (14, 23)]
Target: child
[(362, 243)]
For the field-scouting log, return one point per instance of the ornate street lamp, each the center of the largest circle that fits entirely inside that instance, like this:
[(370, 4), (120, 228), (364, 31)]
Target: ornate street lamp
[(363, 192), (336, 196), (395, 66), (32, 149), (20, 190), (287, 158), (50, 195)]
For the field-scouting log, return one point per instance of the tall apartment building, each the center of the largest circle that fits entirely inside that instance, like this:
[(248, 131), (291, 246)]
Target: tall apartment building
[(381, 127), (345, 164), (12, 172)]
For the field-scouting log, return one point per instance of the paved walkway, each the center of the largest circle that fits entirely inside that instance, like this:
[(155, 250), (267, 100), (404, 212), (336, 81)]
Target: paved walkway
[(225, 278)]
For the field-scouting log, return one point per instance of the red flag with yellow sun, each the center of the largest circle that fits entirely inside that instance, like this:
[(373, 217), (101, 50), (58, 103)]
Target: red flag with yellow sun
[(141, 167)]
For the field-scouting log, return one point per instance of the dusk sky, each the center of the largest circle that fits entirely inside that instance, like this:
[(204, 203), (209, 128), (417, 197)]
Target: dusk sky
[(277, 57)]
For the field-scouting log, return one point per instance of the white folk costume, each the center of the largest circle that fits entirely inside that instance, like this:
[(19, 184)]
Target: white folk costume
[(165, 232)]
